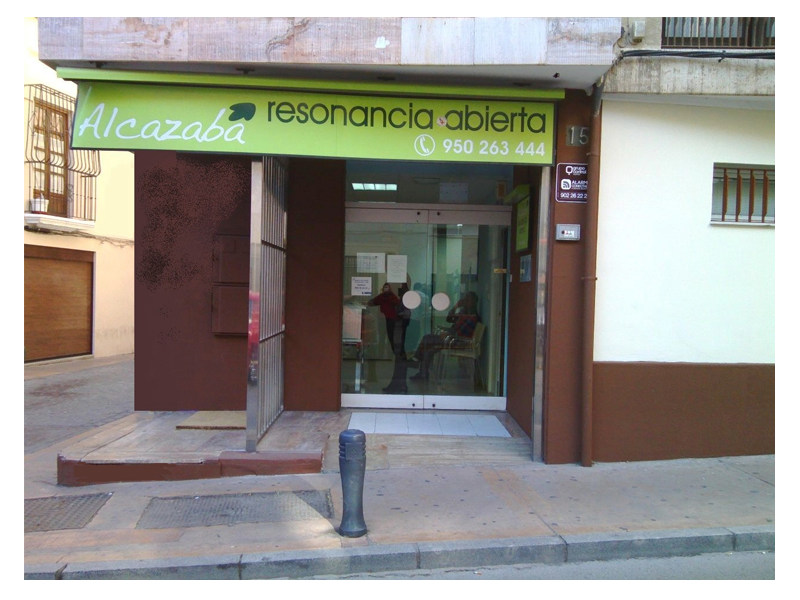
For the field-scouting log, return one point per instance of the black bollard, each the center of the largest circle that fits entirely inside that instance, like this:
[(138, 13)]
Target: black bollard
[(352, 466)]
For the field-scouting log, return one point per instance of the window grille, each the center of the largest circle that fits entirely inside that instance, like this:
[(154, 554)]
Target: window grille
[(743, 194), (64, 178), (718, 32)]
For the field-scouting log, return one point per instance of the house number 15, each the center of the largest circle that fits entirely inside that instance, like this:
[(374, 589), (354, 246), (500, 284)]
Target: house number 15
[(577, 136)]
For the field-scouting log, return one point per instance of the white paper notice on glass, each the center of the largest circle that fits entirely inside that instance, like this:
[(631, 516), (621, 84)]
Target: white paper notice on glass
[(396, 268), (361, 286), (371, 262)]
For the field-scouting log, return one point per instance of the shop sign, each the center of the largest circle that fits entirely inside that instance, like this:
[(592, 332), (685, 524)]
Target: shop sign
[(572, 182), (120, 116)]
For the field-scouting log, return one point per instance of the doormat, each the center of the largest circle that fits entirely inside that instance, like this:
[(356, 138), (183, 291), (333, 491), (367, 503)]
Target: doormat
[(215, 419), (231, 509), (62, 512)]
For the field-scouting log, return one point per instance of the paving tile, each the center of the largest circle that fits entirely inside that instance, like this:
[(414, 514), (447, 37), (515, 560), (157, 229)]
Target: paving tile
[(363, 421), (421, 424), (487, 426), (456, 425), (70, 540), (391, 423)]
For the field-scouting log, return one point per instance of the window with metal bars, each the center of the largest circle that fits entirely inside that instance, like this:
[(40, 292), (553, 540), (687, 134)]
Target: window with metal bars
[(743, 194), (718, 32), (60, 181)]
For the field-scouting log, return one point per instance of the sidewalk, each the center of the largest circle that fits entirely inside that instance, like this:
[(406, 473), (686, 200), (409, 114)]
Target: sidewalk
[(73, 365), (422, 511), (416, 517)]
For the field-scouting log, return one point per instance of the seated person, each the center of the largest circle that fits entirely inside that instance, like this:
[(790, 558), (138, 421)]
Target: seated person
[(464, 317)]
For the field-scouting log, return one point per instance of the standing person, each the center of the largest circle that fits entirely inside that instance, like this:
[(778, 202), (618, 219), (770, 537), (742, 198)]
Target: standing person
[(404, 316), (388, 303)]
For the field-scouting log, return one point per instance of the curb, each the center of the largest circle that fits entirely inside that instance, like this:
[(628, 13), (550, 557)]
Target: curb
[(425, 555)]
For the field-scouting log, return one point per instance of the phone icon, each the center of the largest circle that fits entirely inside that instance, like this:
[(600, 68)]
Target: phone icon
[(424, 145)]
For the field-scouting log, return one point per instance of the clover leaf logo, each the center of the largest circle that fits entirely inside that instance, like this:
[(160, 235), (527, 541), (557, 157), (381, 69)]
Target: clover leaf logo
[(242, 110)]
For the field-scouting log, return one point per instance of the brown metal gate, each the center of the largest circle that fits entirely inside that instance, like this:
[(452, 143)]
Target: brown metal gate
[(58, 302), (265, 337)]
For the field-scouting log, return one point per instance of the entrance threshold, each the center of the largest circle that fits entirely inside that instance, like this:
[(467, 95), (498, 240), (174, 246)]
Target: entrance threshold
[(429, 423), (417, 401)]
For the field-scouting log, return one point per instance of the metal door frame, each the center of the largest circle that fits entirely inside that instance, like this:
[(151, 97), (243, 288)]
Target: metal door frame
[(427, 214), (542, 244)]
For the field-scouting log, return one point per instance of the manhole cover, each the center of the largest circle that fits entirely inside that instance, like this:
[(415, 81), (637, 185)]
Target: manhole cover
[(62, 512), (230, 509)]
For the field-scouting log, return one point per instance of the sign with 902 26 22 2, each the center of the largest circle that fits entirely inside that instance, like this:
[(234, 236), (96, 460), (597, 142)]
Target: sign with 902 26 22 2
[(572, 182)]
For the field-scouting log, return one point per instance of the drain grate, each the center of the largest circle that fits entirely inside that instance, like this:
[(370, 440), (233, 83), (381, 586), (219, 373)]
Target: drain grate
[(62, 512), (230, 509)]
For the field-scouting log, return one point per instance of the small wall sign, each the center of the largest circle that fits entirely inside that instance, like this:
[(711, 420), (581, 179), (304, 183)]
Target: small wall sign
[(572, 182), (522, 225), (525, 268), (361, 286)]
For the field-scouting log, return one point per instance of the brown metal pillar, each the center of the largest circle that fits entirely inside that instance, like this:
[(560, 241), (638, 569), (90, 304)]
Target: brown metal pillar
[(590, 278)]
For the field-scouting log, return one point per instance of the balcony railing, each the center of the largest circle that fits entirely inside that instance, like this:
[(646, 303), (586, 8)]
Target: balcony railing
[(718, 32), (60, 181)]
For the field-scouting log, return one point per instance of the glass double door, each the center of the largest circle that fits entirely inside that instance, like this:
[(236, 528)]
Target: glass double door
[(424, 308)]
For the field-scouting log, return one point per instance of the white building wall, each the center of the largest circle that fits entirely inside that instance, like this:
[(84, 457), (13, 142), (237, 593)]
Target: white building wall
[(671, 286), (112, 237)]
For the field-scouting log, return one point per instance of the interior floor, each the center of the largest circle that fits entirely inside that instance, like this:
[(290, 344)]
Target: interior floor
[(453, 377)]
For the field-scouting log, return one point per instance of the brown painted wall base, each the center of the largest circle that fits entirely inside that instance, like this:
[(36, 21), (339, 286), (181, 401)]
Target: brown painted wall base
[(656, 411), (314, 271), (76, 472), (270, 462), (73, 472), (182, 202)]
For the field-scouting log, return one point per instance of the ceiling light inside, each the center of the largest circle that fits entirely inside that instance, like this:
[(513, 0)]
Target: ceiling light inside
[(375, 187)]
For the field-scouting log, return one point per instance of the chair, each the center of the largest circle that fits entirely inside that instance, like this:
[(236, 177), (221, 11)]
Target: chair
[(352, 337), (462, 349)]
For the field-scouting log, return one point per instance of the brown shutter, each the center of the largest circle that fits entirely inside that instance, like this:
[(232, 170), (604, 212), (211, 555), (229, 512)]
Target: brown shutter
[(58, 302)]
